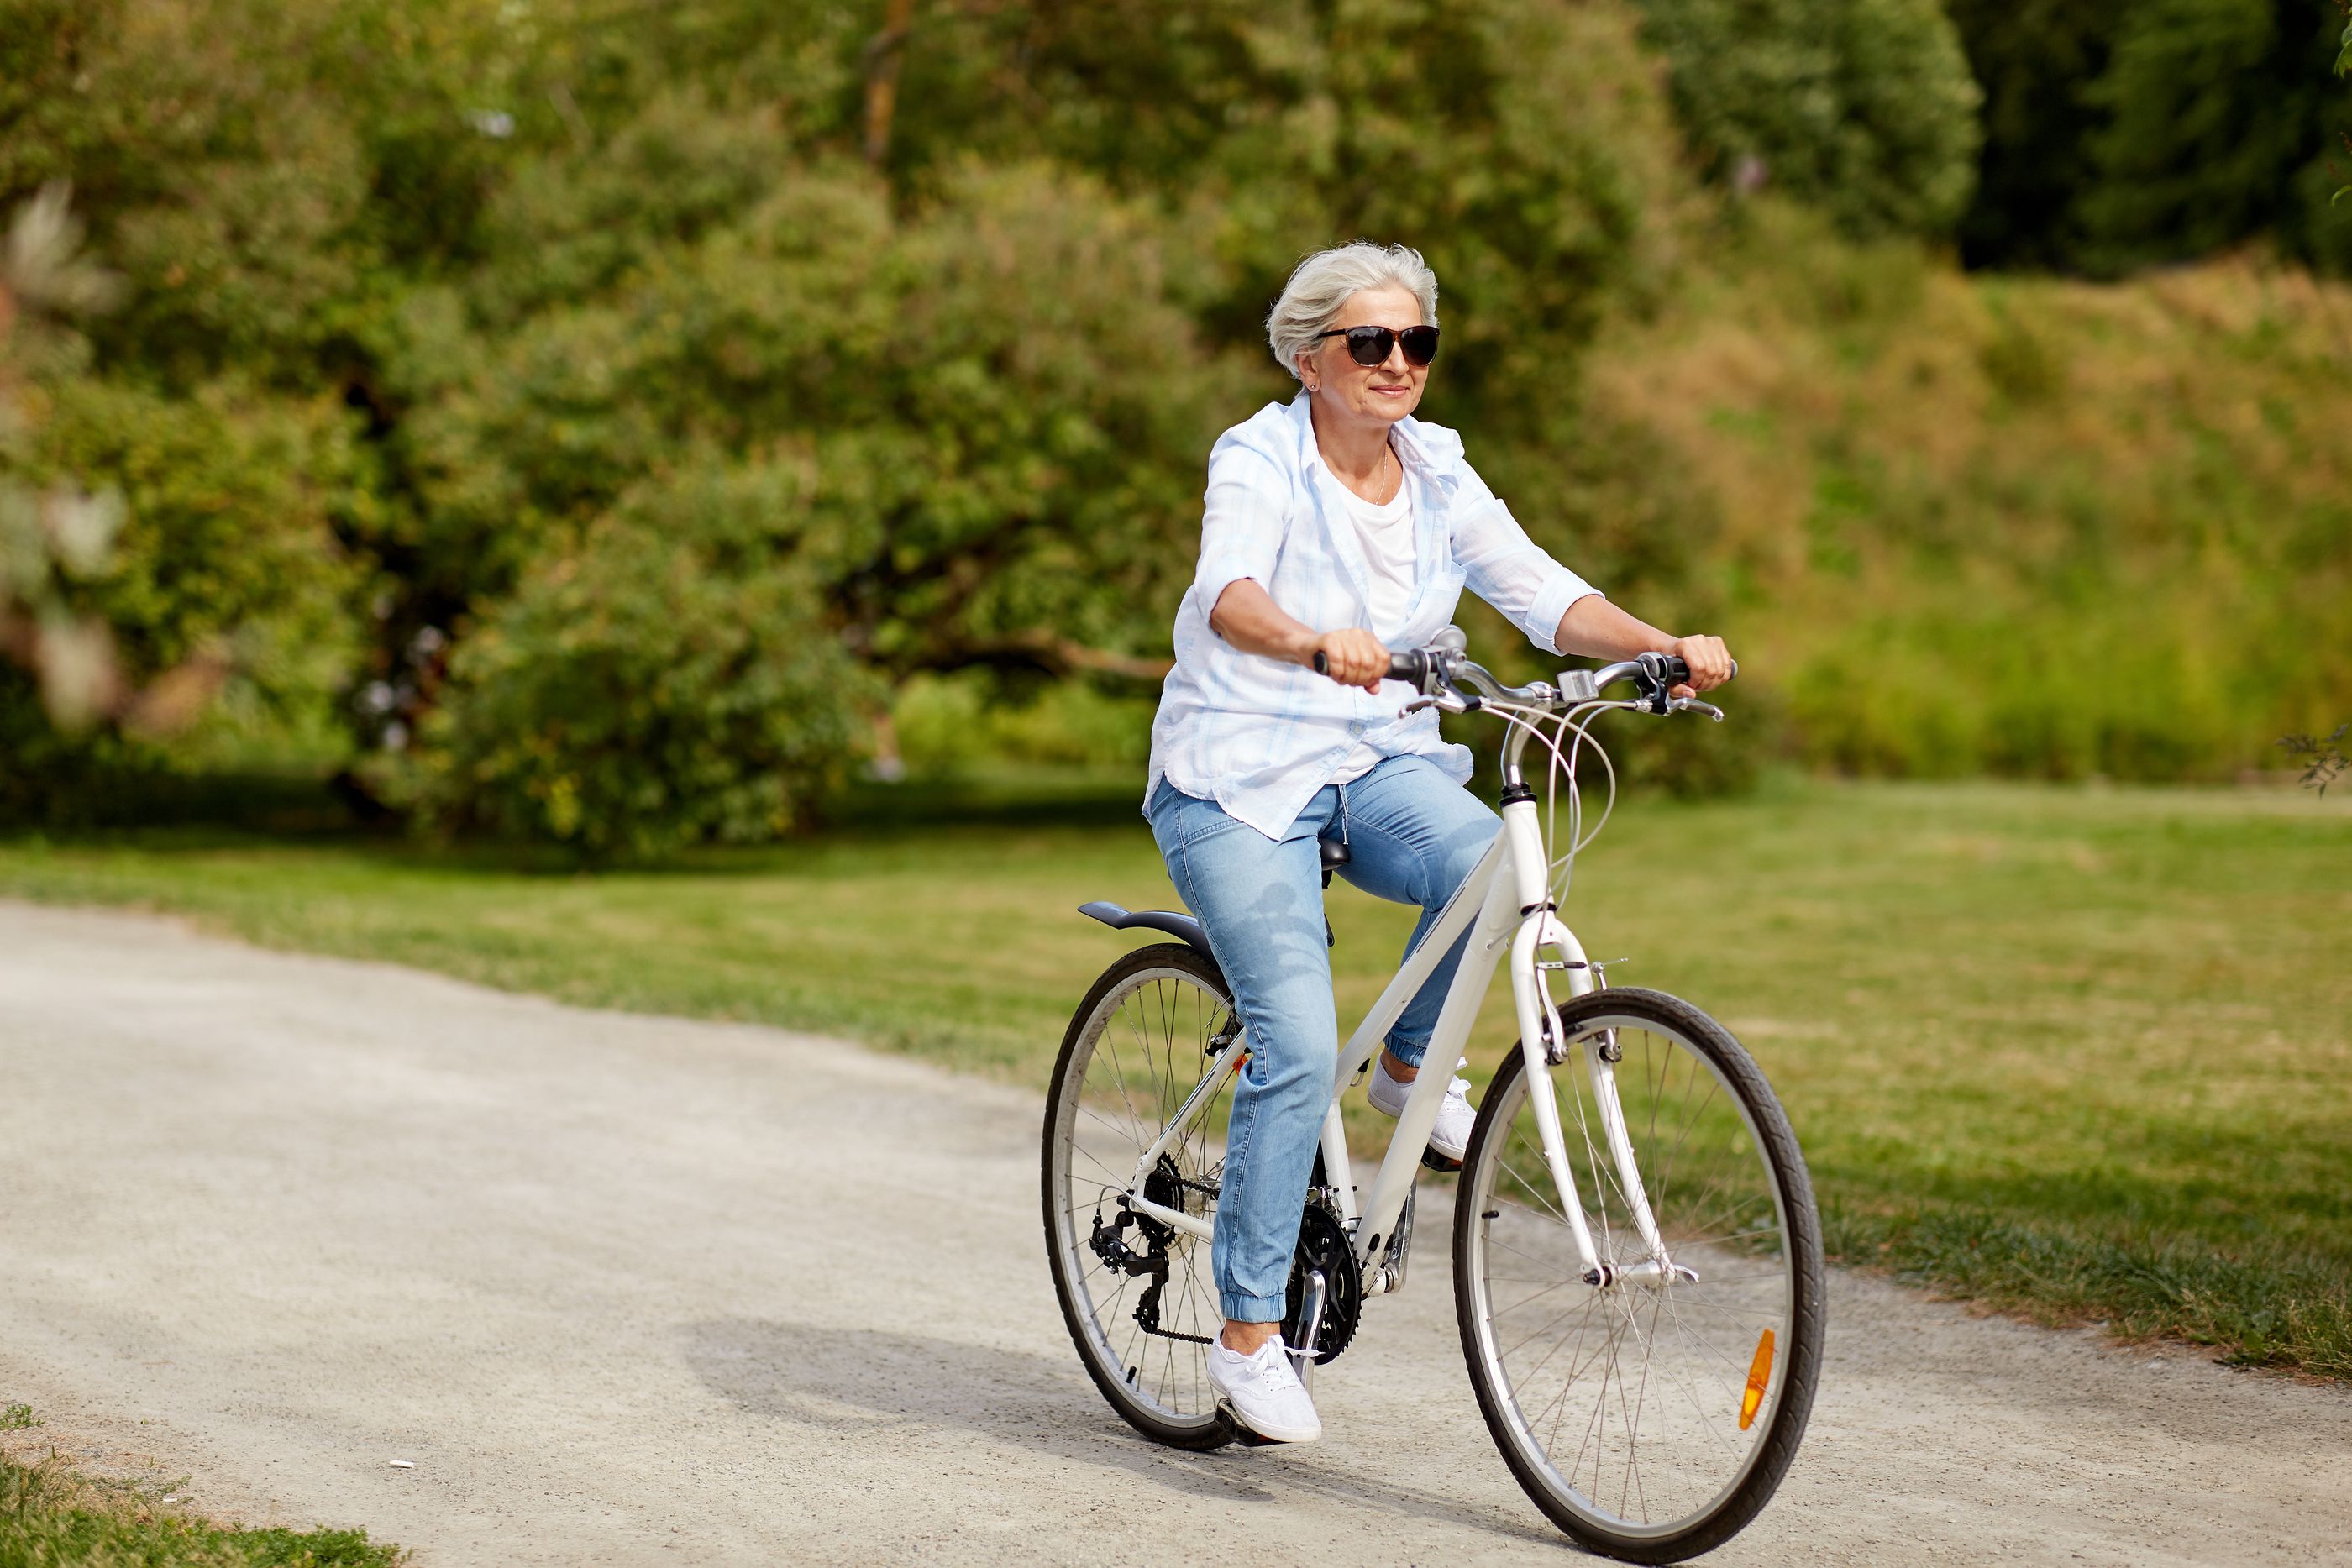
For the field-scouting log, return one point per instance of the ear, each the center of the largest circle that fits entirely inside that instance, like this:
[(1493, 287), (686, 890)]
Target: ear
[(1306, 366)]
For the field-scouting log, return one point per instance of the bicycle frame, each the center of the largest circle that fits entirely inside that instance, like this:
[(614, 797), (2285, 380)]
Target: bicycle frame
[(1506, 900)]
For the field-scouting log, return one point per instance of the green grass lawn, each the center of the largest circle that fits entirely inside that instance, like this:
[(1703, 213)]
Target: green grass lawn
[(49, 1515), (2080, 1053)]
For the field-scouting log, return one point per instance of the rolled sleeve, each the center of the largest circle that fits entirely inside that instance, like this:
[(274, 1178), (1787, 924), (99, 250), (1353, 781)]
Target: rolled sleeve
[(1561, 589), (1248, 505), (1509, 570)]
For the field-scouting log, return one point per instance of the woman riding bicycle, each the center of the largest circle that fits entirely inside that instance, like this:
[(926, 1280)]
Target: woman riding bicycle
[(1340, 526)]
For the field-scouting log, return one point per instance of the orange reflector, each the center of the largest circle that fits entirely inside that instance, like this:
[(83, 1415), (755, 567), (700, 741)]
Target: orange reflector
[(1759, 1375)]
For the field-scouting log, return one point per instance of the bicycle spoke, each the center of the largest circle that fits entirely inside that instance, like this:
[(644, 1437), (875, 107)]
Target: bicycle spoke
[(1523, 1301)]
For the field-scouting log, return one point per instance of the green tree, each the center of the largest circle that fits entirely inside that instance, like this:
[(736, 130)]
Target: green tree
[(2211, 109), (999, 375), (973, 434), (666, 680), (966, 288), (2036, 61), (1863, 108), (2120, 136)]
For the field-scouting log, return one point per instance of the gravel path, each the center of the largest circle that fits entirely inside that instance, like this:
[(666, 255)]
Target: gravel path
[(632, 1288)]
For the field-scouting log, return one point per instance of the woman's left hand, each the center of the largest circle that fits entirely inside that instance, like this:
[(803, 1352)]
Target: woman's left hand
[(1709, 661)]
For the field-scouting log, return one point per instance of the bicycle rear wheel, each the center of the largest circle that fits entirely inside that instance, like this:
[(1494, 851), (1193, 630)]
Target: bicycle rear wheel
[(1650, 1418), (1137, 1295)]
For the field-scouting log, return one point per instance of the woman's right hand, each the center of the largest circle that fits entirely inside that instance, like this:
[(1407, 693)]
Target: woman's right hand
[(1351, 656)]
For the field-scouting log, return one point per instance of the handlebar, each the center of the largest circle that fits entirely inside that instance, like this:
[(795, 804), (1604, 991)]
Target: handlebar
[(1441, 670), (1445, 678)]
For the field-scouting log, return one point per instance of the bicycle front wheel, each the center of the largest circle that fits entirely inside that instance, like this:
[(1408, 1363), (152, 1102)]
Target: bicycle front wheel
[(1649, 1411), (1137, 1294)]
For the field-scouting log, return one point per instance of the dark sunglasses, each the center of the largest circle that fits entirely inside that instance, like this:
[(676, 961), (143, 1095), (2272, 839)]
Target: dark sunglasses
[(1370, 345)]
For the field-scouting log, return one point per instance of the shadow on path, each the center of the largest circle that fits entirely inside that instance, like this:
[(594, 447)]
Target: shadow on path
[(870, 1381)]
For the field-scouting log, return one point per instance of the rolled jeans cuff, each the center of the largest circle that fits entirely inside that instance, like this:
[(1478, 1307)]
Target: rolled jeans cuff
[(1241, 1309)]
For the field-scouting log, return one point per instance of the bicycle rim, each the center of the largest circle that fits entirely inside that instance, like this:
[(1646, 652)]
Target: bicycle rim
[(1650, 1418), (1138, 1049)]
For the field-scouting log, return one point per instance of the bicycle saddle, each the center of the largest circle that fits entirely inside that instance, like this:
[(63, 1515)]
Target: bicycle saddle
[(1335, 855)]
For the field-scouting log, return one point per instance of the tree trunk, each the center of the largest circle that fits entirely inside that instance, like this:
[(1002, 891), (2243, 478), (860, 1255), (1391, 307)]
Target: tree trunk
[(883, 54)]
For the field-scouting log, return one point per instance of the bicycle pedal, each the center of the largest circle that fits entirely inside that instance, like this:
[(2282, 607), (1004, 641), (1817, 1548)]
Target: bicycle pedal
[(1241, 1433), (1438, 1162)]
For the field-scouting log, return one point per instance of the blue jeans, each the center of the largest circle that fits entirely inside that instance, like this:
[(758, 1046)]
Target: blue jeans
[(1415, 836)]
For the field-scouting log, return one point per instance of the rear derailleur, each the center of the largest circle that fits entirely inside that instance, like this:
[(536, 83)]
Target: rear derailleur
[(1170, 1188)]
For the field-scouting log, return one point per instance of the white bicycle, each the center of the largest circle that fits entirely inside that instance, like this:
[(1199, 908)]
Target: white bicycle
[(1637, 1262)]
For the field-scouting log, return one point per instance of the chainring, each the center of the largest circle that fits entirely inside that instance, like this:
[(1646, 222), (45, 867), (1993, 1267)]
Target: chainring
[(1323, 1244)]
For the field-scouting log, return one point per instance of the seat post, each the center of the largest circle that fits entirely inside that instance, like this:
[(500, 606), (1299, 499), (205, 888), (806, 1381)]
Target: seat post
[(1334, 854)]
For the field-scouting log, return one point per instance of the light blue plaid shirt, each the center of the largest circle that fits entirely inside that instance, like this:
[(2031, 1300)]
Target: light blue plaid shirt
[(1260, 736)]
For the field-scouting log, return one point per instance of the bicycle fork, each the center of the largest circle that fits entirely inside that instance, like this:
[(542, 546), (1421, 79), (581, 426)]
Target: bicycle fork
[(1544, 1044)]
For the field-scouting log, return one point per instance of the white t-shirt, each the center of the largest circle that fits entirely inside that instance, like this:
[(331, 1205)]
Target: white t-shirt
[(1385, 534)]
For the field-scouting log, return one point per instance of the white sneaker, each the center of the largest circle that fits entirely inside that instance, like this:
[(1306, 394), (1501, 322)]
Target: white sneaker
[(1263, 1392), (1451, 1136)]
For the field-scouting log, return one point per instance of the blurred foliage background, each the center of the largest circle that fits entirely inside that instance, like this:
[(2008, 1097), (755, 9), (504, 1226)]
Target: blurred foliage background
[(621, 424)]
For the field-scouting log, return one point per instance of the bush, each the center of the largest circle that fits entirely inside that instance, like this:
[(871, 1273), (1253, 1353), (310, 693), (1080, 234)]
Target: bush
[(223, 582), (1863, 108), (668, 682), (946, 724), (228, 535)]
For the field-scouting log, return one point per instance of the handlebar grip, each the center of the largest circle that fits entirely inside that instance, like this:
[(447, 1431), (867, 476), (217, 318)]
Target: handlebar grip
[(1402, 666), (1677, 669)]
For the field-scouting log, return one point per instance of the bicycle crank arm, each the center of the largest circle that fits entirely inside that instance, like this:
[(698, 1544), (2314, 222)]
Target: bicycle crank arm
[(1302, 1356)]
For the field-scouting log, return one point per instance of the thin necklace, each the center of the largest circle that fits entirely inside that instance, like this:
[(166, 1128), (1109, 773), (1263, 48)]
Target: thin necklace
[(1384, 473)]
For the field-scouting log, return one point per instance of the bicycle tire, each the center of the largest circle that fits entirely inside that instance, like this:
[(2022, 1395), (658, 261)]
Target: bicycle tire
[(1791, 1396)]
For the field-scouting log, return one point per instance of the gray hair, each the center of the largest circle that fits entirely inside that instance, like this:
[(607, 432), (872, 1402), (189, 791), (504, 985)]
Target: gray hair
[(1328, 279)]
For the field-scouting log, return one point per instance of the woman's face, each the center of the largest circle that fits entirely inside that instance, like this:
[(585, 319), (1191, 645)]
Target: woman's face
[(1386, 391)]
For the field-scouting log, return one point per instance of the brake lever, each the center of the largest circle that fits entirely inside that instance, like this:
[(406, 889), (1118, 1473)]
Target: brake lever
[(1692, 705)]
